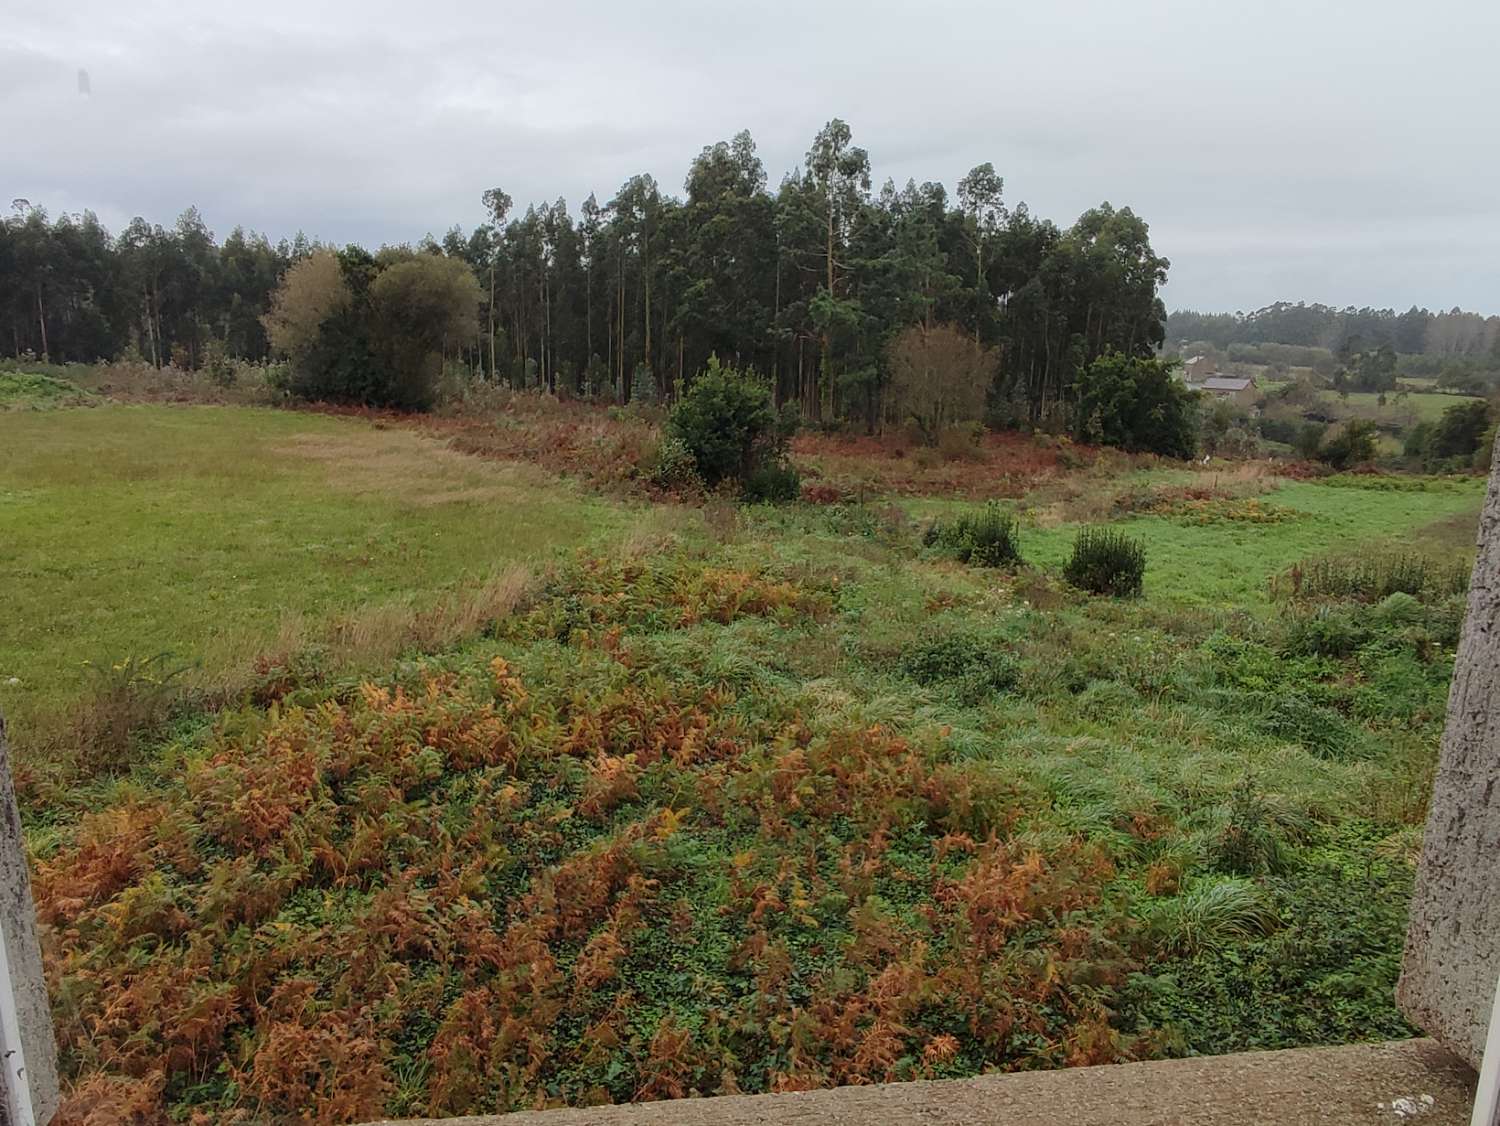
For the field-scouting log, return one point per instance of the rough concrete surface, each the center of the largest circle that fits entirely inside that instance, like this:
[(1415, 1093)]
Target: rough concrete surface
[(22, 954), (1453, 942), (1403, 1081)]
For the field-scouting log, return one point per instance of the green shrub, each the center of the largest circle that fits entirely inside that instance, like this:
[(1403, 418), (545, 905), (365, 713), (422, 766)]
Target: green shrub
[(726, 420), (1353, 444), (673, 467), (643, 387), (973, 667), (772, 484), (1106, 562), (1309, 439), (1459, 433), (1398, 610), (1104, 699), (1325, 975), (986, 538), (129, 698), (1326, 632), (1418, 442), (1136, 404)]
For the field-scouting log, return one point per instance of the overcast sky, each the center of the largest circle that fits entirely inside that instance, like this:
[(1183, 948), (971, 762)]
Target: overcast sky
[(1319, 150)]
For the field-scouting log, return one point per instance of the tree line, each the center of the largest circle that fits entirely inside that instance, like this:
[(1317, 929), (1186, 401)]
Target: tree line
[(809, 284), (1416, 332)]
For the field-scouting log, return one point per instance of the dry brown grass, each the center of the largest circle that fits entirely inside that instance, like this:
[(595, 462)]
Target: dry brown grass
[(998, 465), (374, 636), (406, 465), (130, 381), (1093, 499)]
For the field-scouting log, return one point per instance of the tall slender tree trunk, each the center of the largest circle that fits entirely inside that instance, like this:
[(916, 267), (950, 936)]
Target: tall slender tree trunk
[(492, 321), (646, 285), (151, 331), (826, 376), (776, 321), (41, 319), (978, 290), (161, 344)]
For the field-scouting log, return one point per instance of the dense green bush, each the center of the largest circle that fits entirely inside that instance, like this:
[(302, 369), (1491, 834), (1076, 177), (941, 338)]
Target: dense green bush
[(1255, 833), (1457, 441), (772, 484), (1352, 444), (1136, 404), (1210, 914), (1105, 561), (986, 538), (1329, 631), (727, 421), (1277, 428), (356, 329), (1309, 439)]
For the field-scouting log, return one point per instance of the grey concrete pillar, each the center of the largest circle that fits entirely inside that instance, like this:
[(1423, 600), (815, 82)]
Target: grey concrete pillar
[(1452, 955), (28, 1054)]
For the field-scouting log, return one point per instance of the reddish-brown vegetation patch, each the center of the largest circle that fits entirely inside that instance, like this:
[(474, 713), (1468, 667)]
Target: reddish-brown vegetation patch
[(577, 874), (1002, 465)]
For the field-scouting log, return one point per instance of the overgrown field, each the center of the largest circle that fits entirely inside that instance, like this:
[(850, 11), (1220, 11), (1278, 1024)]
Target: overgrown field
[(774, 798), (209, 533)]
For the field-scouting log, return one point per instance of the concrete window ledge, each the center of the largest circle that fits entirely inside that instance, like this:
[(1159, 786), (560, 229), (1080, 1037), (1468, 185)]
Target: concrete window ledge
[(1403, 1081)]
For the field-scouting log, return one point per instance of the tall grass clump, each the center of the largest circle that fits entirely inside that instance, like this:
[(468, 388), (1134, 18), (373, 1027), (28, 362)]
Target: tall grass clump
[(1371, 577), (129, 697), (1254, 832), (1106, 562), (988, 537), (1210, 914)]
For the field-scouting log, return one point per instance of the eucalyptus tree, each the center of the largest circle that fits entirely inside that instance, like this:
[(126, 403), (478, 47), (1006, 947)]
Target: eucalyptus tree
[(637, 210), (724, 271), (980, 203), (838, 176), (497, 203), (590, 230)]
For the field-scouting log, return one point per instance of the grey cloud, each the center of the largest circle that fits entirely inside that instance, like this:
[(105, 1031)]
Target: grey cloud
[(1318, 150)]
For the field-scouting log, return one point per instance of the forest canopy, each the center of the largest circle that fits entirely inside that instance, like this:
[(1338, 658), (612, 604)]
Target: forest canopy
[(1416, 332), (810, 283)]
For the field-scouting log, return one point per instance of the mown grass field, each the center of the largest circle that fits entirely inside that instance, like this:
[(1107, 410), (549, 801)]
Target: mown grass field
[(764, 798), (205, 531), (1426, 406)]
